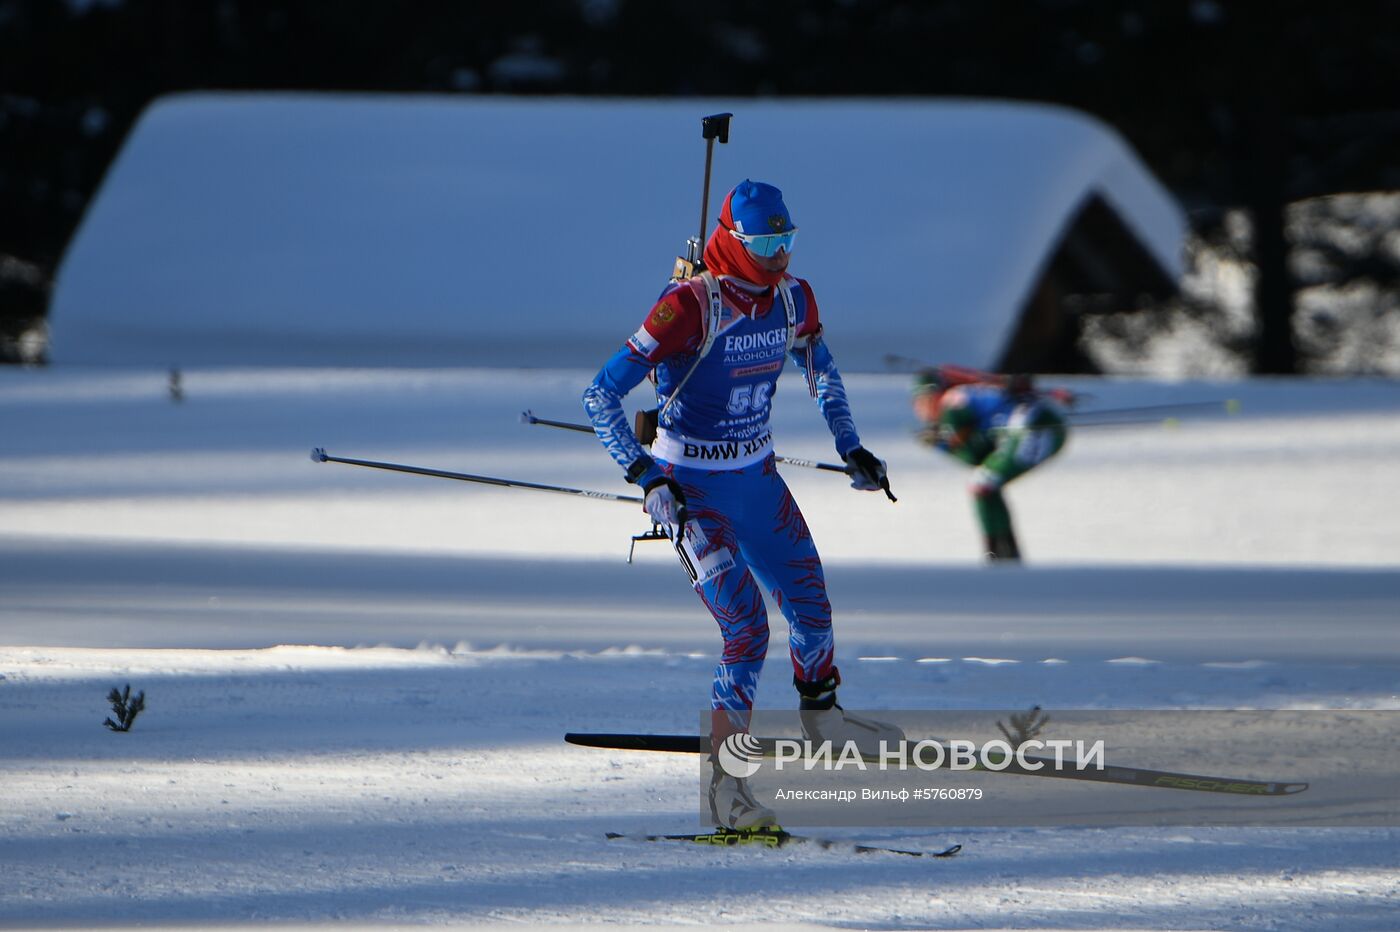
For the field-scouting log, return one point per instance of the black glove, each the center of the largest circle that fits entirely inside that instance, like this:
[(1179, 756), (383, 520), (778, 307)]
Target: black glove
[(867, 472), (665, 503)]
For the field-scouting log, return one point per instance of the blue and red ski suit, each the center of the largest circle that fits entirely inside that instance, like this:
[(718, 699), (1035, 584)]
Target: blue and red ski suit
[(714, 440)]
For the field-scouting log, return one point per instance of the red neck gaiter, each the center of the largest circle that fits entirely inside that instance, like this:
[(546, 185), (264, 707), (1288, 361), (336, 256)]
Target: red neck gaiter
[(725, 255)]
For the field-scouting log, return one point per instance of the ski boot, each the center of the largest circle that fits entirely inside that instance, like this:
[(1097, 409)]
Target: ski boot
[(733, 806), (824, 720), (1002, 549)]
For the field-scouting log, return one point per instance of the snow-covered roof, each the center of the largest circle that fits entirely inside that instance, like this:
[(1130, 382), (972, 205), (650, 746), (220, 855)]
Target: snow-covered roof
[(446, 230)]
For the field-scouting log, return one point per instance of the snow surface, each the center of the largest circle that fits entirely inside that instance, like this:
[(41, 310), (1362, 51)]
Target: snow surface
[(417, 229), (357, 681)]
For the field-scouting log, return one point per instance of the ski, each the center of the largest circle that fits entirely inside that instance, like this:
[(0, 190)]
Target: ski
[(1129, 776), (778, 838)]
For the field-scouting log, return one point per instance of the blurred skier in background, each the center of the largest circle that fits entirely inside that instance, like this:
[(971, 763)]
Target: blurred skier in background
[(715, 345), (999, 425)]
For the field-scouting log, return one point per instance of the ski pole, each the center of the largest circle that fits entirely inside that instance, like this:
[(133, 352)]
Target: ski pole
[(528, 417), (319, 455), (900, 363), (1229, 406)]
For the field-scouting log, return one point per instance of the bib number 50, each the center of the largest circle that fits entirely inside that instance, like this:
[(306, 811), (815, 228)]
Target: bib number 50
[(749, 397)]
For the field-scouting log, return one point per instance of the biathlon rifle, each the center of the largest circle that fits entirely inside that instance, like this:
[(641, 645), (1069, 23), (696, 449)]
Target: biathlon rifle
[(712, 127), (715, 126)]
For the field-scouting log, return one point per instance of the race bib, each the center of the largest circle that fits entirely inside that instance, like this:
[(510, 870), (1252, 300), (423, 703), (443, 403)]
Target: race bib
[(690, 547)]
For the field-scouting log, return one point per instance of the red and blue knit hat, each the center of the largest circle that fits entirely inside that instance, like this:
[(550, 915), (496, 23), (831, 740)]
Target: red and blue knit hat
[(754, 209)]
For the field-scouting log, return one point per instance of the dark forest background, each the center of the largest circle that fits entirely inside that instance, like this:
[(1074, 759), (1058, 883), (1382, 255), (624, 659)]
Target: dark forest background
[(1242, 109)]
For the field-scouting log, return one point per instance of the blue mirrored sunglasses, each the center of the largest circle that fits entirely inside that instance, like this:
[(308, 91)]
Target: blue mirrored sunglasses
[(766, 245)]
